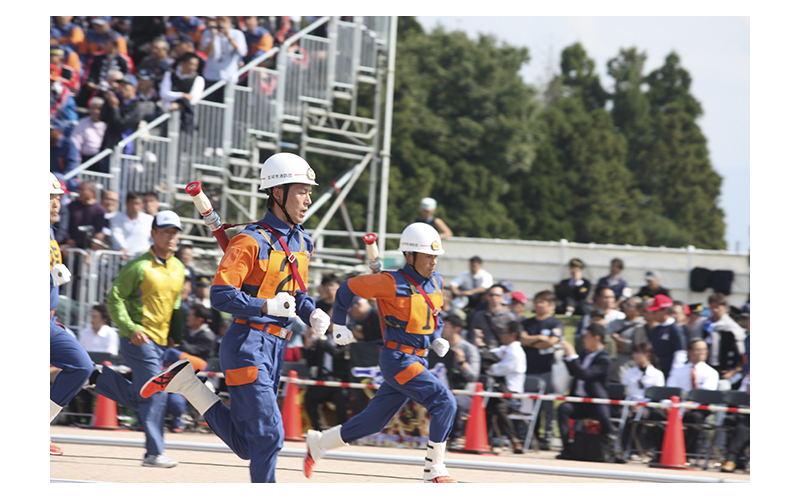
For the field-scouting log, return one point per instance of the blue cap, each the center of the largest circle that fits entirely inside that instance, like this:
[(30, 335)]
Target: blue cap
[(101, 19), (130, 80), (145, 74)]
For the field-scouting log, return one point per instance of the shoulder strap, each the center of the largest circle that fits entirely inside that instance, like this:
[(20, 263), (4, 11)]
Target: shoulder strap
[(421, 291)]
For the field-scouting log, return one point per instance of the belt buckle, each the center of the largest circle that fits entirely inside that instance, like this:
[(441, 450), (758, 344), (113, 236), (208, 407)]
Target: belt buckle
[(283, 333), (425, 353)]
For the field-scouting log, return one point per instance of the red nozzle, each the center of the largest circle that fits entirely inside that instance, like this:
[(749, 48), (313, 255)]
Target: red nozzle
[(194, 188), (370, 238)]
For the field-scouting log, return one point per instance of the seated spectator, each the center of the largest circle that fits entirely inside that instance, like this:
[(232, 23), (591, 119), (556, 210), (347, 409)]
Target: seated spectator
[(184, 45), (225, 47), (743, 318), (110, 201), (366, 321), (70, 75), (643, 374), (182, 89), (653, 286), (725, 339), (144, 31), (259, 39), (185, 254), (605, 312), (590, 379), (667, 338), (427, 208), (202, 291), (468, 287), (519, 302), (199, 340), (99, 32), (67, 32), (98, 336), (64, 156), (88, 134), (696, 374), (539, 336), (326, 291), (327, 361), (571, 293), (159, 61), (122, 116), (615, 281), (96, 78), (509, 375), (86, 219), (680, 312), (486, 325), (694, 320), (627, 334), (462, 368), (192, 26), (130, 228)]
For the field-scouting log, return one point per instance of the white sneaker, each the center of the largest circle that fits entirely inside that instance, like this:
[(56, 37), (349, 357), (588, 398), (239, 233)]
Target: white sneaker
[(158, 461)]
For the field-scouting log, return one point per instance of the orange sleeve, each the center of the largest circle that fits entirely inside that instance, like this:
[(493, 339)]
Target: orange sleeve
[(265, 43), (77, 37), (236, 264), (122, 46), (379, 286)]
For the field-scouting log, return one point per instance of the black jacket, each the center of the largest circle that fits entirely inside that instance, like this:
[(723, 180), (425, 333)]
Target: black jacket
[(123, 118), (595, 377)]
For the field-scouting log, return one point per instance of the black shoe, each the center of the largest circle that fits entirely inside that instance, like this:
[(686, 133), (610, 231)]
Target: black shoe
[(566, 454), (544, 446)]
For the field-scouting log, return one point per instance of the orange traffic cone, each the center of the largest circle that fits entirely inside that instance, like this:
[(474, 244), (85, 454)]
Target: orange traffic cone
[(292, 427), (673, 449), (105, 414), (476, 440)]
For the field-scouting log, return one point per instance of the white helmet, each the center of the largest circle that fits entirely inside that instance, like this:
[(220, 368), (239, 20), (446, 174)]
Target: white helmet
[(286, 168), (428, 204), (421, 237), (55, 185)]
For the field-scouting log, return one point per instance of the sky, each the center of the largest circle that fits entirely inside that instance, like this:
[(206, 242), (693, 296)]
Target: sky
[(715, 50)]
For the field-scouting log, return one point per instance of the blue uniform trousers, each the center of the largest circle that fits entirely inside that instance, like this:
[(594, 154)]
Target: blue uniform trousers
[(73, 360), (145, 361), (424, 389), (253, 426)]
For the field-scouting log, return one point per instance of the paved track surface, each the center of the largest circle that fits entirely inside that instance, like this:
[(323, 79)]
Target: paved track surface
[(122, 464)]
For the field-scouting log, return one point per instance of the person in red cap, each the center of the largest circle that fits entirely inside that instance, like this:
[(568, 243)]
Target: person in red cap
[(518, 304), (666, 336)]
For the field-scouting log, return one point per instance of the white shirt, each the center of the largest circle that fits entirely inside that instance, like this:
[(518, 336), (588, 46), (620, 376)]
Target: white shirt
[(168, 95), (131, 234), (512, 366), (88, 135), (707, 377), (468, 281), (651, 376), (223, 61), (105, 340)]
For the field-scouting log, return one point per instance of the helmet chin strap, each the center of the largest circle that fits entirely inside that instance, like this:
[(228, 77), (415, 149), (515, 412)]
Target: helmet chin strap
[(282, 204)]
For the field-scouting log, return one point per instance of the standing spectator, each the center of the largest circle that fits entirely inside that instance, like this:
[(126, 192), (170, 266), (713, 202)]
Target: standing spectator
[(653, 286), (696, 374), (590, 379), (158, 62), (70, 75), (182, 89), (427, 208), (97, 34), (725, 339), (468, 287), (743, 317), (144, 302), (464, 368), (669, 344), (486, 325), (225, 47), (151, 203), (110, 201), (615, 281), (86, 218), (326, 291), (611, 318), (88, 134), (627, 334), (98, 336), (509, 373), (64, 156), (147, 95), (259, 39), (96, 75), (571, 293), (695, 321), (327, 361), (192, 26), (144, 31), (66, 353), (122, 116), (130, 228), (539, 336), (68, 33), (62, 103)]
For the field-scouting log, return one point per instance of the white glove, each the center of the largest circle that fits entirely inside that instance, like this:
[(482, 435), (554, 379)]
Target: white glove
[(60, 274), (320, 321), (282, 305), (342, 335), (440, 346)]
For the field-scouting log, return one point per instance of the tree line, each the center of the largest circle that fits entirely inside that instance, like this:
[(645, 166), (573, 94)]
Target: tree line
[(626, 165)]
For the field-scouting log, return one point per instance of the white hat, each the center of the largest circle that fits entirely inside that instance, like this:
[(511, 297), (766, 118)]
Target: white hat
[(166, 219), (286, 168), (421, 237), (428, 204), (55, 185)]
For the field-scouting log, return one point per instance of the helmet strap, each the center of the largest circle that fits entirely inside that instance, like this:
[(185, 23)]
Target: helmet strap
[(282, 204)]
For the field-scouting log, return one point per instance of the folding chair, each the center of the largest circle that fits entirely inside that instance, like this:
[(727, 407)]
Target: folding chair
[(618, 392), (732, 399), (704, 397), (529, 409), (655, 394)]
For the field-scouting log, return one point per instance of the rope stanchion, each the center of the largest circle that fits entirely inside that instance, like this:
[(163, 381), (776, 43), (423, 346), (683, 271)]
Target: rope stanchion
[(544, 397)]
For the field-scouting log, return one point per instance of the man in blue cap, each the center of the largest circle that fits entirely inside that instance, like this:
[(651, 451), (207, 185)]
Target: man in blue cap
[(122, 114)]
